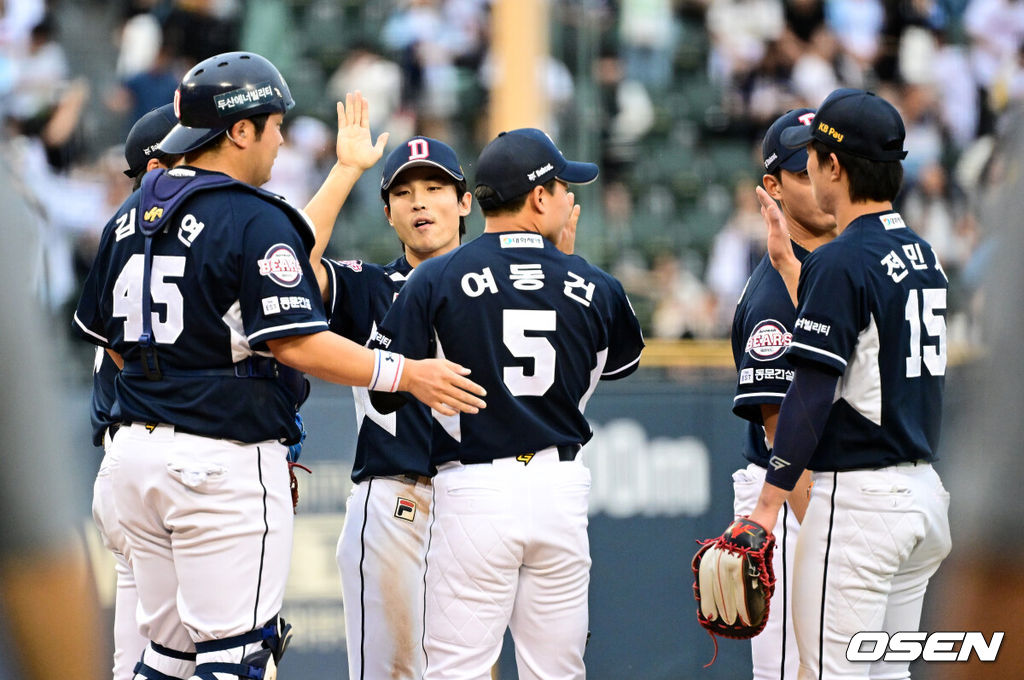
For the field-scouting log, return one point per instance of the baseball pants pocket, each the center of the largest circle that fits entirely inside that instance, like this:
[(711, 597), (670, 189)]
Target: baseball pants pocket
[(201, 478)]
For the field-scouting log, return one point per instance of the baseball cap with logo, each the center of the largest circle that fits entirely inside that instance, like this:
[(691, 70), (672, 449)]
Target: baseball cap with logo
[(774, 154), (516, 161), (857, 122), (144, 138), (419, 152)]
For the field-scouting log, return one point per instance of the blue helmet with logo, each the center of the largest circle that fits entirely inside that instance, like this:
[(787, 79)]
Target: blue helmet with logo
[(220, 91)]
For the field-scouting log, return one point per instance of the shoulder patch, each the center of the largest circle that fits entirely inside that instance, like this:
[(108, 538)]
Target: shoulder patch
[(354, 265), (892, 221), (281, 265), (768, 340)]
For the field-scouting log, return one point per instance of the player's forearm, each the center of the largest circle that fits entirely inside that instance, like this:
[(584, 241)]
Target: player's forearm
[(800, 496), (327, 356), (326, 203), (766, 512), (789, 270)]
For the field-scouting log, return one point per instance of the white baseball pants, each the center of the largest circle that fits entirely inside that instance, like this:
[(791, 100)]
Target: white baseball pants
[(208, 524), (381, 555), (773, 652), (870, 542), (508, 548)]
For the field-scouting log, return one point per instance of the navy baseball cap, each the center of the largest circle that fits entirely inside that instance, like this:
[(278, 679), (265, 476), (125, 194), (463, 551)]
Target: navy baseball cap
[(516, 161), (419, 152), (857, 122), (143, 140), (774, 154)]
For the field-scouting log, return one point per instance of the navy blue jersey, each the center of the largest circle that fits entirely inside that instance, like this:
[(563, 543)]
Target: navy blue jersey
[(873, 309), (104, 411), (761, 330), (229, 271), (399, 442), (536, 327)]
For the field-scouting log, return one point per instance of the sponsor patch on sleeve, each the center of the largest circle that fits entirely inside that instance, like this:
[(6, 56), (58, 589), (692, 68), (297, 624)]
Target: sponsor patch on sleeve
[(281, 265), (768, 340)]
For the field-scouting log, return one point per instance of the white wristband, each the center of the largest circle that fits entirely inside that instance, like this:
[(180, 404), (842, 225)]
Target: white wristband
[(387, 371)]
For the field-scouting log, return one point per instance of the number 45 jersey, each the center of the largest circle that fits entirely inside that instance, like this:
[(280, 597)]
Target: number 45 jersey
[(536, 327), (229, 270), (872, 307)]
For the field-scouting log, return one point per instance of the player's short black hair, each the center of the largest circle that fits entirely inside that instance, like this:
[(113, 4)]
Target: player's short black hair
[(259, 122), (869, 180), (169, 160), (511, 206), (461, 187)]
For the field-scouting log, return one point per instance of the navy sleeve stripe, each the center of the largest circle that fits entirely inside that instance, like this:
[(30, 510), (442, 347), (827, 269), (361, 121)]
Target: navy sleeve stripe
[(622, 368), (815, 350), (89, 332), (286, 327)]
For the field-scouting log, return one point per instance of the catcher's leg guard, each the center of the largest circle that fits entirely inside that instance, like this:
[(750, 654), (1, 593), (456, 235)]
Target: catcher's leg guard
[(161, 663), (262, 650)]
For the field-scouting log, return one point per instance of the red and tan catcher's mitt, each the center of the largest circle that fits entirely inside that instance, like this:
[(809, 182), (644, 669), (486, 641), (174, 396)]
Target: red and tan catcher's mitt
[(734, 581)]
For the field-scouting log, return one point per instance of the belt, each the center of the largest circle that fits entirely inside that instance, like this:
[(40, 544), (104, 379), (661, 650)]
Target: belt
[(112, 429), (562, 453)]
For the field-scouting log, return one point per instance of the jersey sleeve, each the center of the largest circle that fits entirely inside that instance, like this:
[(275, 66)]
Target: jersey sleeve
[(407, 328), (87, 321), (279, 295), (625, 338), (831, 309)]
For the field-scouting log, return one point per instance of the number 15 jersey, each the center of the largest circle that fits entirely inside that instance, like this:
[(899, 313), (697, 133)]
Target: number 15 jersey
[(536, 327), (872, 307)]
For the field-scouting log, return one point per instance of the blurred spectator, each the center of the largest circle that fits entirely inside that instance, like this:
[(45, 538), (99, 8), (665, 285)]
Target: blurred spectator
[(647, 35), (737, 248), (936, 209), (996, 32), (858, 25), (197, 29), (627, 114), (141, 38), (379, 79), (815, 74), (924, 141), (803, 17), (957, 92), (682, 306), (41, 74), (298, 171), (148, 89), (739, 31)]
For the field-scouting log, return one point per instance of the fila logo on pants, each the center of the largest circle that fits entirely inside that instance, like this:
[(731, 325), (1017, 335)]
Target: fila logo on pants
[(405, 509)]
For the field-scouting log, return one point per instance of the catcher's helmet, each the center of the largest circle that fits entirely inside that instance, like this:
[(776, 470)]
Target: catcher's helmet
[(220, 91)]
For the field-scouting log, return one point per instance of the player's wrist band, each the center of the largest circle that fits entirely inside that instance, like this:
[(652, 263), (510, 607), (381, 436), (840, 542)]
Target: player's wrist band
[(387, 371)]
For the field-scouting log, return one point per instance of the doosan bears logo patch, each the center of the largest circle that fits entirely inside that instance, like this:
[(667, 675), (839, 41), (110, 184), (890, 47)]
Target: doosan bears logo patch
[(281, 265), (768, 340)]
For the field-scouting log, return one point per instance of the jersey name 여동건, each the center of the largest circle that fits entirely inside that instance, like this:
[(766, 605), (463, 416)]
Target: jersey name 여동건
[(516, 311), (361, 293), (762, 329), (229, 271), (873, 308)]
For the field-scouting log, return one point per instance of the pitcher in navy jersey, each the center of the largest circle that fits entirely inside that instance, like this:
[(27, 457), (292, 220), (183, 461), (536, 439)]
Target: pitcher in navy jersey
[(383, 542), (200, 287), (508, 546), (761, 329), (864, 407)]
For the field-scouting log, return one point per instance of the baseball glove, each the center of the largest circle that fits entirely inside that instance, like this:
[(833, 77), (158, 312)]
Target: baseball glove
[(734, 581)]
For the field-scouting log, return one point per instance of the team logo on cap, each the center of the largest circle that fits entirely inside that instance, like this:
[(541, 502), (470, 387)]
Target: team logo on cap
[(418, 149), (768, 340), (281, 265)]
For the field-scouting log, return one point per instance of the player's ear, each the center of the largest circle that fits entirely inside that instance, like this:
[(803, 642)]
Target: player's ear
[(538, 198), (773, 186), (239, 133), (153, 164), (387, 214), (465, 204)]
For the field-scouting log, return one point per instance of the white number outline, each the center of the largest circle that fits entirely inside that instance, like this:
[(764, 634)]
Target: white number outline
[(923, 315), (514, 325), (127, 293)]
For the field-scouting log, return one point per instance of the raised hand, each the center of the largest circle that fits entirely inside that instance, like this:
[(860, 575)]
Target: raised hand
[(567, 239), (780, 247), (355, 145), (442, 385)]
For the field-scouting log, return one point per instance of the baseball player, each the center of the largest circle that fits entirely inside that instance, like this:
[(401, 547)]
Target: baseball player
[(863, 409), (142, 154), (508, 542), (761, 329), (201, 292)]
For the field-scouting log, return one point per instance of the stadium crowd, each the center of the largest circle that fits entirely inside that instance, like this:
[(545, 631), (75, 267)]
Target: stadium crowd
[(672, 95)]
